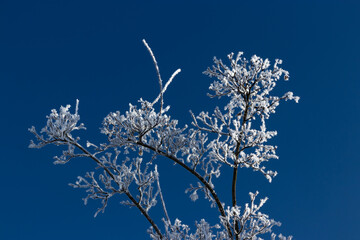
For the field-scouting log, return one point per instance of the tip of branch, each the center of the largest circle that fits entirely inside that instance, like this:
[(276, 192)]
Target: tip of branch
[(145, 43), (77, 107)]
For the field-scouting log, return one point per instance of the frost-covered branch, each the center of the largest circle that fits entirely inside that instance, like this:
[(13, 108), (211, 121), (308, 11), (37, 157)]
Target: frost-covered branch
[(252, 222), (143, 130), (248, 85), (235, 136), (116, 178), (162, 90), (180, 231)]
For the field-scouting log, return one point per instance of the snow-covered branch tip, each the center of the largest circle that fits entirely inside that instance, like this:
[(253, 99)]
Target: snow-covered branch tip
[(58, 127), (162, 90)]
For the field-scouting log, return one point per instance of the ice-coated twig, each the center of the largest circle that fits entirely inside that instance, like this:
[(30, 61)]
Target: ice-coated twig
[(162, 90)]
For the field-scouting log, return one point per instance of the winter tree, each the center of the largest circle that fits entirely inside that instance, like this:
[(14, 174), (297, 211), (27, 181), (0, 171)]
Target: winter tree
[(233, 136)]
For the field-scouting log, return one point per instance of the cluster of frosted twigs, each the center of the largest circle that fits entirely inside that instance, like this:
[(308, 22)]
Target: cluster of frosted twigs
[(227, 137)]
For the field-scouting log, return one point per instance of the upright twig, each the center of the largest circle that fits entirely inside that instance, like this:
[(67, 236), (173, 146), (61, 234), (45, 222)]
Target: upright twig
[(161, 196), (162, 90)]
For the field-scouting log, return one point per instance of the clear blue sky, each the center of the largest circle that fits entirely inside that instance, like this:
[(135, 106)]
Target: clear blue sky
[(53, 52)]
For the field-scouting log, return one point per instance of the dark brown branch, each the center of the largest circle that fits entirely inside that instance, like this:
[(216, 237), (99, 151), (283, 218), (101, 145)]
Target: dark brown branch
[(142, 210), (197, 175), (233, 193), (237, 153), (144, 213)]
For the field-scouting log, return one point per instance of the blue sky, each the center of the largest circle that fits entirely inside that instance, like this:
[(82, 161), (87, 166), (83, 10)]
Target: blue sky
[(54, 52)]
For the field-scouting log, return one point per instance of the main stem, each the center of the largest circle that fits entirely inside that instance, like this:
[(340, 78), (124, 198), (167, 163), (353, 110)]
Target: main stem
[(233, 193), (237, 152), (233, 189)]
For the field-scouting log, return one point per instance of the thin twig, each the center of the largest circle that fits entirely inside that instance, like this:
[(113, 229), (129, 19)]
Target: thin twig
[(162, 89), (196, 174), (161, 196), (158, 74)]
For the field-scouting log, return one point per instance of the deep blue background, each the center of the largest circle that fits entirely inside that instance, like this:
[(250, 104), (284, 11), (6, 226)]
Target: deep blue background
[(53, 52)]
